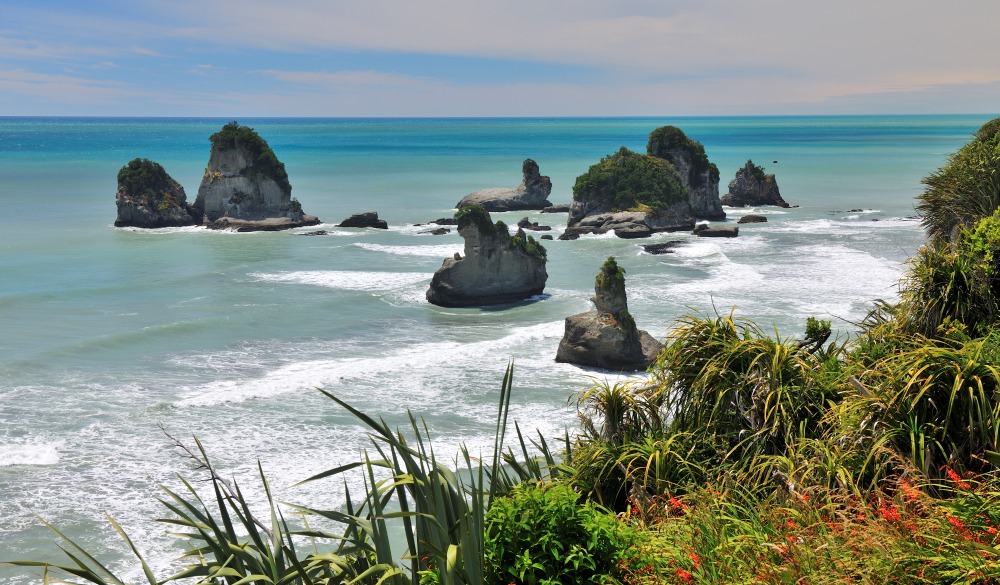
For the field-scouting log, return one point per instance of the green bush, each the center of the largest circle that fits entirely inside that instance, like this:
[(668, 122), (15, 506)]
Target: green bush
[(626, 179), (478, 216), (145, 179), (528, 245), (611, 277), (265, 161), (541, 535)]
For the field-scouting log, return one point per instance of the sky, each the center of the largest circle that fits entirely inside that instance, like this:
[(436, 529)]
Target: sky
[(343, 58)]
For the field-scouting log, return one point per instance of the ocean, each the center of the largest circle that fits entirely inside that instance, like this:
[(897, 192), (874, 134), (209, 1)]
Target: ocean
[(112, 337)]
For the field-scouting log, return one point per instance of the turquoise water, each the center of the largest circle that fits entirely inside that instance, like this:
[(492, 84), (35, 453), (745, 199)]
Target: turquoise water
[(109, 333)]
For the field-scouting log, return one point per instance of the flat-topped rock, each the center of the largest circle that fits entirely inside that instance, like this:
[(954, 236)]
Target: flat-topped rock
[(271, 224), (662, 248), (365, 219), (532, 193), (497, 268), (557, 208), (752, 218), (716, 231)]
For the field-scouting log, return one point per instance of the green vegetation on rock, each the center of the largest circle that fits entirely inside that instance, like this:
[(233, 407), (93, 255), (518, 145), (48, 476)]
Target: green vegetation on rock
[(476, 215), (610, 278), (147, 180), (528, 245), (627, 179), (670, 137), (265, 162)]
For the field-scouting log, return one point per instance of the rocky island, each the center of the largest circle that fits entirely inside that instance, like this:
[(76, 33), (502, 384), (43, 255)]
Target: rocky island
[(751, 187), (607, 337), (532, 193), (497, 268), (148, 197), (245, 186), (635, 194)]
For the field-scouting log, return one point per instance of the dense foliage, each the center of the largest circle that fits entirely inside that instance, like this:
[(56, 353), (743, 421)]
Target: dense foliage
[(610, 278), (668, 138), (265, 162), (148, 181), (478, 216), (528, 245), (627, 180)]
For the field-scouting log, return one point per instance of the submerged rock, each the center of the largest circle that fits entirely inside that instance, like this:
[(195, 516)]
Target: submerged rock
[(607, 337), (496, 269), (663, 248), (365, 219), (532, 193), (246, 185), (752, 188), (148, 197)]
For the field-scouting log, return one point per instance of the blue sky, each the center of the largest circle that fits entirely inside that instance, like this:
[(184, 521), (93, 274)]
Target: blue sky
[(501, 58)]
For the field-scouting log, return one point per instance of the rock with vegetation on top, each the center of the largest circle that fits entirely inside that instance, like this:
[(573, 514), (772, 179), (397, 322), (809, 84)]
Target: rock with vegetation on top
[(148, 197), (497, 268), (532, 193), (699, 176), (365, 219), (752, 188), (245, 186), (626, 190), (607, 337)]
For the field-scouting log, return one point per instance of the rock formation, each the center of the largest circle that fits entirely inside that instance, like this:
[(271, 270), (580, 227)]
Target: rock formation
[(635, 195), (148, 197), (497, 268), (753, 218), (716, 231), (631, 193), (527, 224), (532, 193), (245, 185), (752, 188), (365, 219), (607, 337), (699, 176)]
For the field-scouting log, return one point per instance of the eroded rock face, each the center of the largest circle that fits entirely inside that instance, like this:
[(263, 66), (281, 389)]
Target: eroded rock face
[(607, 337), (532, 193), (496, 268), (148, 197), (365, 219), (244, 182), (752, 188), (700, 177)]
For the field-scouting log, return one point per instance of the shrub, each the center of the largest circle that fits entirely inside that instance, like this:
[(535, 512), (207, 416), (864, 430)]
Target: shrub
[(145, 179), (611, 278), (540, 534), (478, 216), (627, 179), (527, 244), (265, 162)]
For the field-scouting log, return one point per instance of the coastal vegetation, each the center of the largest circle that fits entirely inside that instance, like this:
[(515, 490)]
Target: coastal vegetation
[(668, 138), (147, 180), (265, 162), (627, 180), (743, 457)]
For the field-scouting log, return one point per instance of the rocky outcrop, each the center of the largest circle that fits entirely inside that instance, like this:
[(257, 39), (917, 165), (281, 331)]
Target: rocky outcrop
[(246, 186), (557, 208), (662, 248), (699, 176), (527, 224), (607, 337), (365, 219), (148, 197), (532, 193), (496, 269), (716, 231), (752, 218), (633, 194), (752, 188)]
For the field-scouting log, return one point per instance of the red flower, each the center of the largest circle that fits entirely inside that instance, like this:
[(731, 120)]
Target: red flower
[(684, 576), (957, 479), (956, 522), (890, 513), (695, 559)]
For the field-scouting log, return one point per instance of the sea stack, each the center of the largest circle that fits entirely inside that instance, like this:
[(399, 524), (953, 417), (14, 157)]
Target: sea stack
[(608, 338), (496, 269), (699, 176), (245, 186), (752, 188), (148, 197), (532, 193)]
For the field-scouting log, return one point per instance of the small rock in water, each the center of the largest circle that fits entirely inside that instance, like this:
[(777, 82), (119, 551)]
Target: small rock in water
[(662, 248), (752, 218), (436, 232), (366, 219)]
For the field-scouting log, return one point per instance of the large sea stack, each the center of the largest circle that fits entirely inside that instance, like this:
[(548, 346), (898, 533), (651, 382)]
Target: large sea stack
[(532, 193), (635, 195), (607, 338), (245, 186), (699, 176), (752, 188), (497, 268), (148, 197)]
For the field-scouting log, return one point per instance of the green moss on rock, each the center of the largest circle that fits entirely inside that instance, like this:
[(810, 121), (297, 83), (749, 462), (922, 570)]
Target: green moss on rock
[(528, 245), (145, 179), (627, 179), (669, 137), (265, 162), (610, 279)]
